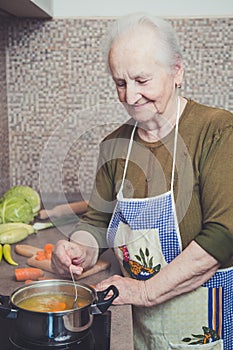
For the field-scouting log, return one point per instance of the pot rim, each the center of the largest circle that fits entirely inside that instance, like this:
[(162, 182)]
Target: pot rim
[(49, 283)]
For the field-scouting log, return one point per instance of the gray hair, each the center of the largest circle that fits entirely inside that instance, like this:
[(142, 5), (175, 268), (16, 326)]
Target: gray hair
[(170, 52)]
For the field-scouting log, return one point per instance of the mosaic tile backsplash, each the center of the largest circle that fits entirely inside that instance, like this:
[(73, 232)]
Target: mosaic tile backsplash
[(4, 151), (57, 101)]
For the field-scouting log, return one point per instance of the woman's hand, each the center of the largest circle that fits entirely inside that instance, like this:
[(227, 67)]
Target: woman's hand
[(131, 291), (66, 254), (81, 253)]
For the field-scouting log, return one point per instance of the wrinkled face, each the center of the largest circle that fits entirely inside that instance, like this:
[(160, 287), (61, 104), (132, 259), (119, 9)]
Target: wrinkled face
[(145, 85)]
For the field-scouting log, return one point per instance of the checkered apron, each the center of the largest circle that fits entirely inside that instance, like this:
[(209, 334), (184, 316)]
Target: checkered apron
[(145, 236)]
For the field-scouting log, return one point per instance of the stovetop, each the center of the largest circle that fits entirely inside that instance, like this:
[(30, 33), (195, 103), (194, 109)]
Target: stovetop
[(97, 338)]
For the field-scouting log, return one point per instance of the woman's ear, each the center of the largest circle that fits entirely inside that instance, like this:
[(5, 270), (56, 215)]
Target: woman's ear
[(178, 72)]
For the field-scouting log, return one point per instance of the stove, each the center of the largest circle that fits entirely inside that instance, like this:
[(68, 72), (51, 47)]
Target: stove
[(97, 338)]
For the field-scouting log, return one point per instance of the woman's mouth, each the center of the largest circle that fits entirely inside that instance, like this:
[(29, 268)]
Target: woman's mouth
[(140, 105)]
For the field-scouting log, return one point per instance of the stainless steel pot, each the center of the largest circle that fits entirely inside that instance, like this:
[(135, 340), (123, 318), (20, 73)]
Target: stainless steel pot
[(55, 328)]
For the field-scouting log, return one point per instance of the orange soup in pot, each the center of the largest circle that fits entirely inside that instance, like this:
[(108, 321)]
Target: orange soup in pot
[(51, 303)]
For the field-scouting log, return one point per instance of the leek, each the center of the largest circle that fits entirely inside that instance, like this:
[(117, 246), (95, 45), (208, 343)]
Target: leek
[(56, 222)]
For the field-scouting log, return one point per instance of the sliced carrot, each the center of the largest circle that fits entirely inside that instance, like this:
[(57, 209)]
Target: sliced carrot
[(28, 273), (40, 255), (48, 249), (46, 253), (59, 306), (40, 252)]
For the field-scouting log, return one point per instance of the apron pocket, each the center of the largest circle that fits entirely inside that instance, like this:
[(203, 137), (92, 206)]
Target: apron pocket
[(216, 345)]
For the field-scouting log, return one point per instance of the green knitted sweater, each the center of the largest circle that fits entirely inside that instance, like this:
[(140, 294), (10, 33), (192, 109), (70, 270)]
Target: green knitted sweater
[(203, 185)]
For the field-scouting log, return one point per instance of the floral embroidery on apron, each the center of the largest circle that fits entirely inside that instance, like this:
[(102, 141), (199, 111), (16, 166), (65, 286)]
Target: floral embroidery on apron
[(144, 234), (141, 269)]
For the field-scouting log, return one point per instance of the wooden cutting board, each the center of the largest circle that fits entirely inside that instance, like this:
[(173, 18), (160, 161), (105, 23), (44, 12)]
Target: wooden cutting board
[(31, 251)]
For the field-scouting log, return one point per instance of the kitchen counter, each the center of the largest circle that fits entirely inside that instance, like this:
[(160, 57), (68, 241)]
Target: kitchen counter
[(121, 321)]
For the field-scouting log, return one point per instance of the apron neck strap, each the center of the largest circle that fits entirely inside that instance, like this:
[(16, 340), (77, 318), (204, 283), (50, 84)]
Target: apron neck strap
[(175, 143), (120, 193)]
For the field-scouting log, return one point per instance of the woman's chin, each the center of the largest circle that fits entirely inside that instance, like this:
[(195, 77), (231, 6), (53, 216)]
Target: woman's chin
[(143, 116)]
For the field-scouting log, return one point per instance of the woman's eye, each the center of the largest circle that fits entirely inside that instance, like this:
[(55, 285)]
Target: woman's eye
[(142, 81), (120, 83)]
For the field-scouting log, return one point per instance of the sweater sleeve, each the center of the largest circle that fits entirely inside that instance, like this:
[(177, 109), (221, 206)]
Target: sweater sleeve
[(216, 191), (101, 203)]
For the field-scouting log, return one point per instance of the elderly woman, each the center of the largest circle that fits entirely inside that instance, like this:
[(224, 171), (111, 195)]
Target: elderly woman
[(163, 198)]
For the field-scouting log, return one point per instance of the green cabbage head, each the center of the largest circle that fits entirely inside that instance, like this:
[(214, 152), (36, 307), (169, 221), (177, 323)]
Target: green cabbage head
[(28, 194), (15, 209)]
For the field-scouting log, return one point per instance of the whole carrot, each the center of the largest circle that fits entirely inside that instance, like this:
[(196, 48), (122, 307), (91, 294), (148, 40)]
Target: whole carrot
[(28, 273)]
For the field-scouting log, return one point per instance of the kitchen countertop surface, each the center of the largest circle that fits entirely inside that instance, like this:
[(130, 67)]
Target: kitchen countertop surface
[(121, 321)]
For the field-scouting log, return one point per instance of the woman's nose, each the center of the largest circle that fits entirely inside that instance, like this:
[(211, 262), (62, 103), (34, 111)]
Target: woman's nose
[(131, 94)]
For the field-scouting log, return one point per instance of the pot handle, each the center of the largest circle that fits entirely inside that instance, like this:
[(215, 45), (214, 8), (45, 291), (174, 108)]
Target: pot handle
[(5, 309), (103, 304)]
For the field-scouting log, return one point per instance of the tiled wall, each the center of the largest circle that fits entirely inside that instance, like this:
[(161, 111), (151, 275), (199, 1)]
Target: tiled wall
[(4, 151), (61, 102)]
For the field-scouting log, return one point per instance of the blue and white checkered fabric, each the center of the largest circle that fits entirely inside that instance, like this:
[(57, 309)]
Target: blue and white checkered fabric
[(224, 279), (157, 213), (144, 214)]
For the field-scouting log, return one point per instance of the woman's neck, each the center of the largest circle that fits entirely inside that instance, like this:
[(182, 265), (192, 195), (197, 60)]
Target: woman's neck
[(160, 127)]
